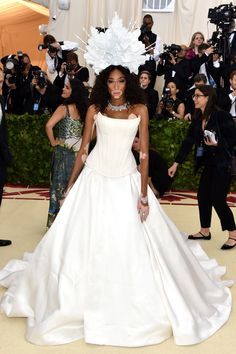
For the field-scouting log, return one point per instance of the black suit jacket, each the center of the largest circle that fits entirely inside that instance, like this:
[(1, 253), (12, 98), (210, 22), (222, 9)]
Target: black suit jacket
[(223, 124), (224, 101)]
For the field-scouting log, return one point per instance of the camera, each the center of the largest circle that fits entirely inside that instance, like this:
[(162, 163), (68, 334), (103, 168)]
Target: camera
[(11, 78), (143, 29), (50, 48), (222, 15), (70, 67), (21, 64), (168, 102), (40, 77), (173, 49), (11, 63)]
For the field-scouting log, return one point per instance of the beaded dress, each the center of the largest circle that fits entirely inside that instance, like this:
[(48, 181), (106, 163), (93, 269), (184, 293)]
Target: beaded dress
[(63, 158)]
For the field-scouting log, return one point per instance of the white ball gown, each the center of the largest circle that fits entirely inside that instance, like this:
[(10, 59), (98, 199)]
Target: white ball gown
[(102, 275)]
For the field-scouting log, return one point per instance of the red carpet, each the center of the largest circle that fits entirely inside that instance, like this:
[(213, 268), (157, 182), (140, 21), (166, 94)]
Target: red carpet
[(40, 193)]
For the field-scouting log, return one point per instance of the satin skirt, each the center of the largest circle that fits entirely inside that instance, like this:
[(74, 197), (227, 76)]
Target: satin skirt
[(102, 275)]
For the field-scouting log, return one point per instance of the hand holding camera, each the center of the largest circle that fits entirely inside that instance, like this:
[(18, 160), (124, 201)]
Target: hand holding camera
[(210, 138)]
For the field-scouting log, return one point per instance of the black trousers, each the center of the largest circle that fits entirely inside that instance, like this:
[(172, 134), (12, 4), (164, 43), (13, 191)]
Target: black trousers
[(212, 192)]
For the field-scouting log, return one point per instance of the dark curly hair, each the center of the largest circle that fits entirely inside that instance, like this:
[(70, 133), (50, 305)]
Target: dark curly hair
[(79, 97), (100, 95)]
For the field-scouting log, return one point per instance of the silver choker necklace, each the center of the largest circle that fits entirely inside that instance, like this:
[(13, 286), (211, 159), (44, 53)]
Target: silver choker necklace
[(120, 107)]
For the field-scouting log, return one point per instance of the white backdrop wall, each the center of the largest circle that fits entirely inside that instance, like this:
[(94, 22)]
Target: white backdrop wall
[(189, 16), (177, 27)]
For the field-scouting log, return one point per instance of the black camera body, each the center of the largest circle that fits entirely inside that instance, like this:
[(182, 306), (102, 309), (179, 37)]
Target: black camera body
[(50, 48), (173, 49), (69, 67), (11, 78), (143, 29), (40, 77), (222, 15), (168, 102)]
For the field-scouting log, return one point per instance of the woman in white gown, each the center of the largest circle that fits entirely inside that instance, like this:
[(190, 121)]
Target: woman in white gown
[(113, 269)]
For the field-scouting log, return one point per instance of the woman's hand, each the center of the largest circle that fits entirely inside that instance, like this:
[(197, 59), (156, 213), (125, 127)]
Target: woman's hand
[(55, 142), (172, 170), (65, 195), (143, 210), (209, 142)]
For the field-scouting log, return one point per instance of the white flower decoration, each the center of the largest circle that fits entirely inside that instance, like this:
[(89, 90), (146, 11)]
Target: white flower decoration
[(117, 46)]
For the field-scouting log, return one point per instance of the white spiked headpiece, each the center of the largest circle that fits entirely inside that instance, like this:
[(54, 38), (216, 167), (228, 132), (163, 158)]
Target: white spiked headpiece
[(116, 46)]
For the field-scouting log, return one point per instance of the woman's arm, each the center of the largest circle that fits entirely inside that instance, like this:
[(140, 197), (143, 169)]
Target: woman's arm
[(83, 151), (143, 207), (144, 149), (58, 115), (180, 111)]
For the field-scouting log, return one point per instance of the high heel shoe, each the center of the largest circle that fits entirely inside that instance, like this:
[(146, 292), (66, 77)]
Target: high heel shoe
[(228, 247), (202, 237)]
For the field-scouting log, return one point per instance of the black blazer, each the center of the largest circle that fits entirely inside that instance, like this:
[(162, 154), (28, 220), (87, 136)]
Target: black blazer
[(223, 124)]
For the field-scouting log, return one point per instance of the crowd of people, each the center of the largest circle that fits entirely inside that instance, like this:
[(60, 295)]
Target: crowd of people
[(181, 65)]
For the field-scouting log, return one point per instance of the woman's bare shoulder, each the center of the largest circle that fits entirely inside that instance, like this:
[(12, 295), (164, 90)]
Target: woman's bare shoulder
[(139, 109), (92, 109)]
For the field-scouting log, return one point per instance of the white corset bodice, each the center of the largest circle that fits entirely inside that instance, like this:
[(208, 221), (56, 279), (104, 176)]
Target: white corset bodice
[(112, 155)]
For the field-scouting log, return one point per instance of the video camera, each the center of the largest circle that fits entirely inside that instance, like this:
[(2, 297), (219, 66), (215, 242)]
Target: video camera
[(222, 15), (173, 49), (40, 77)]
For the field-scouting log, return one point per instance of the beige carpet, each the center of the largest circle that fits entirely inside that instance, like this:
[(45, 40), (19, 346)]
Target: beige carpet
[(23, 221)]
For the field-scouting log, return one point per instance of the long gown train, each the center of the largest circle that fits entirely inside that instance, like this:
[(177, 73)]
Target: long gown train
[(101, 274)]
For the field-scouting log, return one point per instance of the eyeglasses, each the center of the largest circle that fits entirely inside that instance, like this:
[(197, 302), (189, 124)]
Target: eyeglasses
[(197, 96)]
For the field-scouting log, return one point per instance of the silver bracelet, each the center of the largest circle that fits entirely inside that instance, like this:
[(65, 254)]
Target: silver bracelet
[(144, 200)]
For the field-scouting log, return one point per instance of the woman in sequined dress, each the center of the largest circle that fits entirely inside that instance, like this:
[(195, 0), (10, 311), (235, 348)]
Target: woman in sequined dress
[(69, 118)]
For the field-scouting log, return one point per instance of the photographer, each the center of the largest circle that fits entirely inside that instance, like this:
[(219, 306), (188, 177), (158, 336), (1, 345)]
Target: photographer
[(224, 38), (207, 62), (152, 45), (71, 70), (10, 84), (212, 153), (170, 107), (174, 66), (43, 96), (56, 52), (25, 76)]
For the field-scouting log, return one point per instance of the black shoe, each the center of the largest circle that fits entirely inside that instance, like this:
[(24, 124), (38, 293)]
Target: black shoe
[(228, 247), (202, 237), (5, 243)]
